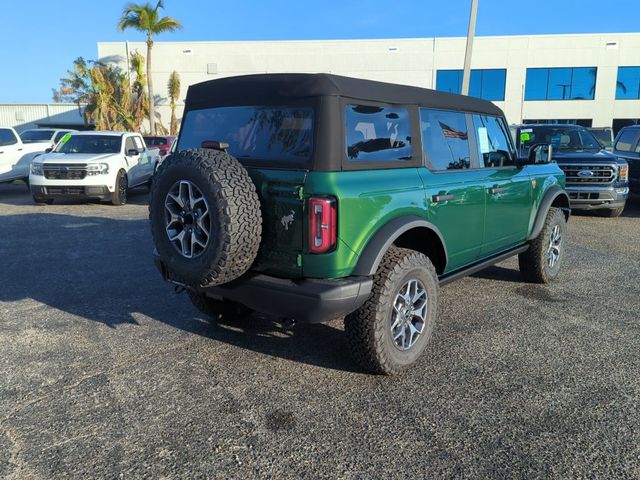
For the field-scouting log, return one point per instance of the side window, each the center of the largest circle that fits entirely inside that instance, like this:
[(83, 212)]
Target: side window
[(445, 139), (7, 137), (377, 134), (627, 140), (129, 145), (494, 146), (139, 144)]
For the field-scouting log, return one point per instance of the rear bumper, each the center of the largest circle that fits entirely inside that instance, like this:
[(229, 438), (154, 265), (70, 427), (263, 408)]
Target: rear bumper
[(99, 192), (594, 198), (305, 300)]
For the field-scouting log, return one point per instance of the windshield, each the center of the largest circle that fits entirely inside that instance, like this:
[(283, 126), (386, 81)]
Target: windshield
[(560, 137), (30, 136), (155, 141), (89, 144), (257, 133)]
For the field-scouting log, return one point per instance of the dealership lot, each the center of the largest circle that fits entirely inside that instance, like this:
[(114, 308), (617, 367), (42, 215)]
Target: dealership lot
[(105, 371)]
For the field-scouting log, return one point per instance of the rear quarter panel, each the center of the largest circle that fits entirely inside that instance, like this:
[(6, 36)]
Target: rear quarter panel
[(367, 200)]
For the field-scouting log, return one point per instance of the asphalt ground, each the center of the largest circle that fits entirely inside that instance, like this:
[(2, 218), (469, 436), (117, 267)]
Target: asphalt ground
[(106, 373)]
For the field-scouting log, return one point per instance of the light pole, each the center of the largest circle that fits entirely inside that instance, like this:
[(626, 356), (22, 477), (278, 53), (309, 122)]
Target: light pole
[(466, 74)]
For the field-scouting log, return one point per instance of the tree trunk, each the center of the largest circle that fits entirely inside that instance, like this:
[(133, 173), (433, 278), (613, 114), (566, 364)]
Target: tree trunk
[(173, 127), (152, 108)]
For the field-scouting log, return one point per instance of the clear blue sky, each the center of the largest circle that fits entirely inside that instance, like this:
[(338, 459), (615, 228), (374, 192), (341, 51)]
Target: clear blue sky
[(41, 38)]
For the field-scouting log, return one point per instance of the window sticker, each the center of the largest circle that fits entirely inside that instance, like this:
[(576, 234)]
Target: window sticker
[(525, 137), (65, 139), (483, 138)]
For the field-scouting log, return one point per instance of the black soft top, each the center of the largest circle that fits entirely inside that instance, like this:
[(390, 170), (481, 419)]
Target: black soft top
[(272, 88)]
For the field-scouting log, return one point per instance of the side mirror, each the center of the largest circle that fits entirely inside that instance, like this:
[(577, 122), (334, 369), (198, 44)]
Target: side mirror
[(539, 154), (132, 152), (48, 150)]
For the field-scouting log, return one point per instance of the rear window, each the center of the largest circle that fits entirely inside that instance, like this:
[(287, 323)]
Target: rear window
[(627, 140), (253, 133)]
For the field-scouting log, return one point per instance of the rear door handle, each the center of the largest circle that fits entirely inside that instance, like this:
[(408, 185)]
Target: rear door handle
[(496, 190), (442, 198)]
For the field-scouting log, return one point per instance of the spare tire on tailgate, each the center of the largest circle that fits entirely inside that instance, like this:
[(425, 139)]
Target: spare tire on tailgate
[(205, 216)]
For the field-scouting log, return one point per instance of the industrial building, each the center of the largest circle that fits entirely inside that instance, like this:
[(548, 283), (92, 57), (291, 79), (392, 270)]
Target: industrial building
[(591, 79), (23, 116)]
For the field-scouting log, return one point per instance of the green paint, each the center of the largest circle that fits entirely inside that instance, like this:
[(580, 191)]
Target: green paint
[(474, 225)]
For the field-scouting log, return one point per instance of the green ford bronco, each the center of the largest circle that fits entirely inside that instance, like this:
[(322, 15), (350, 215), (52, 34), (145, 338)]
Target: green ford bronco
[(315, 196)]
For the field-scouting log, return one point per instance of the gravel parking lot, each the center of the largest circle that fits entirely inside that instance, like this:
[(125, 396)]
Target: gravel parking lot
[(105, 372)]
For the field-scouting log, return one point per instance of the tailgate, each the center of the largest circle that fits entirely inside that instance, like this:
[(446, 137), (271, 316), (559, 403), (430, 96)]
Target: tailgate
[(280, 193)]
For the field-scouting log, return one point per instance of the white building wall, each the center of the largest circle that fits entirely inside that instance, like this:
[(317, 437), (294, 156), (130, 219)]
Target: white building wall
[(409, 61)]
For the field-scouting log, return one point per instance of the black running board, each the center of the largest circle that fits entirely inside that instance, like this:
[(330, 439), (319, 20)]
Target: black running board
[(482, 265)]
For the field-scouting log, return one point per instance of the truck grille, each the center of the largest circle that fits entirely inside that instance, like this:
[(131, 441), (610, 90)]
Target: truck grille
[(589, 174), (65, 171)]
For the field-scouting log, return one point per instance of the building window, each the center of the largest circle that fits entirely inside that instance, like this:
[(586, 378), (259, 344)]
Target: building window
[(488, 84), (628, 84), (561, 83)]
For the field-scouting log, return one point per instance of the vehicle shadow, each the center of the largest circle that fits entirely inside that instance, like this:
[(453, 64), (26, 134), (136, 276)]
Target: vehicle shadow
[(503, 274), (18, 193), (100, 269)]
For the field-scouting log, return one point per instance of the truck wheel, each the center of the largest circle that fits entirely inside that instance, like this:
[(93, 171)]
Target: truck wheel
[(218, 309), (611, 212), (205, 216), (42, 201), (542, 261), (119, 196), (391, 330)]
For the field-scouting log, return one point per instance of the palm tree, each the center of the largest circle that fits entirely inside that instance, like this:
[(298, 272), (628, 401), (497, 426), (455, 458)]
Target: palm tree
[(173, 88), (146, 18)]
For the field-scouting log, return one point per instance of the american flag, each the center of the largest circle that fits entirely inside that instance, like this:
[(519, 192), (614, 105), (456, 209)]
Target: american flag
[(451, 132)]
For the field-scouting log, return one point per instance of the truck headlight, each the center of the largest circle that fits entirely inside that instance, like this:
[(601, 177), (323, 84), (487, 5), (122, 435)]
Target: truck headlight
[(623, 173), (97, 169), (36, 168)]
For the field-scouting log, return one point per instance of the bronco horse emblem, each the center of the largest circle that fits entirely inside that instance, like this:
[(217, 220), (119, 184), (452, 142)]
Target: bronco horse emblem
[(287, 220)]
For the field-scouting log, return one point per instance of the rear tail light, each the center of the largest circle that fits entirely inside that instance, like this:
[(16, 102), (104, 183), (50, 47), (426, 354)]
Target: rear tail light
[(323, 225)]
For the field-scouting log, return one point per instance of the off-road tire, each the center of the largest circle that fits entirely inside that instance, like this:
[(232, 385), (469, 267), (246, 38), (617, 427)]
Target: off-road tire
[(42, 201), (610, 212), (218, 310), (119, 195), (533, 263), (236, 219), (368, 328)]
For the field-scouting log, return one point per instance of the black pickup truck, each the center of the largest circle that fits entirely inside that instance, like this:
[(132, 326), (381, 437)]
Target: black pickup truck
[(596, 179), (627, 146)]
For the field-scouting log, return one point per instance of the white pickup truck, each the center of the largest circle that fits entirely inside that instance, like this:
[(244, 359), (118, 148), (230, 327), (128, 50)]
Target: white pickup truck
[(16, 156), (93, 165)]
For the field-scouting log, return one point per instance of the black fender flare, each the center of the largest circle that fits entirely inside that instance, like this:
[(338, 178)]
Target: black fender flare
[(550, 196), (380, 242)]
